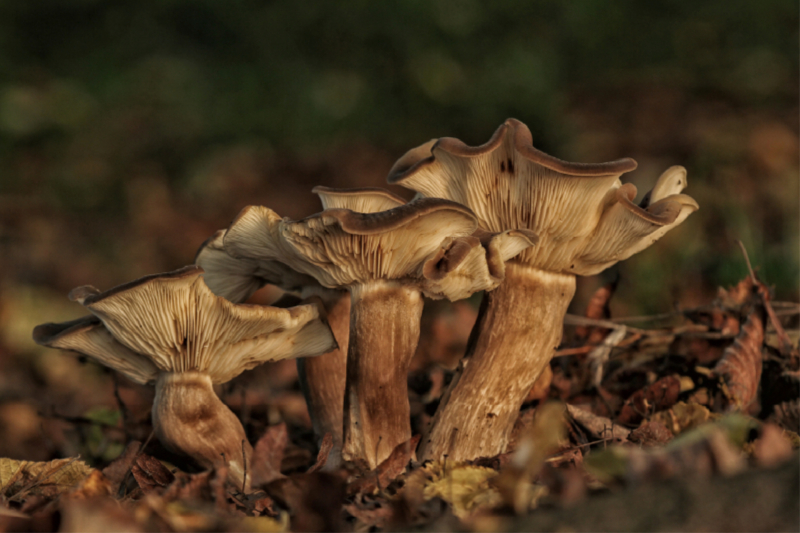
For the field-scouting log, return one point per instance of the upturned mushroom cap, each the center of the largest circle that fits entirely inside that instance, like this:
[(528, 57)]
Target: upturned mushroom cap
[(360, 200), (237, 278), (341, 247), (180, 325), (583, 215), (89, 337)]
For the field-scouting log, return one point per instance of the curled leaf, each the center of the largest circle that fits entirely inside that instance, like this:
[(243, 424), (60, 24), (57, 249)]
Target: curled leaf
[(740, 366)]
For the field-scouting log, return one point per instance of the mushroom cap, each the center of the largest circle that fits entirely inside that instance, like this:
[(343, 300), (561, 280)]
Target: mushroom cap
[(89, 337), (465, 263), (342, 248), (572, 207), (360, 200), (237, 278), (180, 325)]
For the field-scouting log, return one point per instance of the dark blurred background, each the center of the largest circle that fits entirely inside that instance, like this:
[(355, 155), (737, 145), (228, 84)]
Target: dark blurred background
[(130, 131)]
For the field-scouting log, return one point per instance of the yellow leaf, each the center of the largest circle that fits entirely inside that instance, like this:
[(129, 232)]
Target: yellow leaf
[(465, 487), (33, 477)]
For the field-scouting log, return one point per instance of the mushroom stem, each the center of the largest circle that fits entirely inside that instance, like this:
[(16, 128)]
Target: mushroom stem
[(384, 332), (518, 329), (322, 378), (189, 418)]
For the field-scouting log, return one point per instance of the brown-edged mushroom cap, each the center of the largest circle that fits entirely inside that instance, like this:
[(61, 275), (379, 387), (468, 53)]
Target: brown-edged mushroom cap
[(341, 247), (176, 321), (237, 278), (360, 200), (509, 184), (88, 336)]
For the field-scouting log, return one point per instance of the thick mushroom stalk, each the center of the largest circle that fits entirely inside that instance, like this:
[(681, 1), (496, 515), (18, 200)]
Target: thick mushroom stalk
[(387, 260), (172, 330), (586, 221)]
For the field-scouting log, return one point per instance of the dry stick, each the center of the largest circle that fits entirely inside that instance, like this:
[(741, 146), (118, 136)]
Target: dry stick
[(786, 343), (244, 459), (123, 409)]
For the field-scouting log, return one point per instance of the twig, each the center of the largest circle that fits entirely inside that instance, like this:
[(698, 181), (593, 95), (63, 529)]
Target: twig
[(747, 260), (575, 320), (244, 460)]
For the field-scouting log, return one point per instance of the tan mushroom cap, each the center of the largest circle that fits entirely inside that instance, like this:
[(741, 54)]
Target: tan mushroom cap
[(360, 200), (88, 336), (479, 261), (237, 278), (572, 207), (180, 325), (340, 247)]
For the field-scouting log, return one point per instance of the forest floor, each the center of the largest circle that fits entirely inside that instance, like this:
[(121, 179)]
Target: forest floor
[(682, 421)]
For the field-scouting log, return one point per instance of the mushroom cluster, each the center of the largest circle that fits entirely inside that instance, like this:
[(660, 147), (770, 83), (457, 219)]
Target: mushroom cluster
[(503, 218)]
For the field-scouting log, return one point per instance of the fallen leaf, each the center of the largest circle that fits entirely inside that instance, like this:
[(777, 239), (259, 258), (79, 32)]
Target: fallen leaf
[(150, 474), (653, 398), (117, 471), (388, 470), (268, 454), (597, 308), (315, 500), (651, 433), (741, 363), (325, 448), (41, 478), (465, 487), (787, 415), (599, 426), (683, 416)]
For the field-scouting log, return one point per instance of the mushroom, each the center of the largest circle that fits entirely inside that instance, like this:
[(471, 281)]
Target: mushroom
[(322, 378), (386, 260), (172, 330), (586, 221)]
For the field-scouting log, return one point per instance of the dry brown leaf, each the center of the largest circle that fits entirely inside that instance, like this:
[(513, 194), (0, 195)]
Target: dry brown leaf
[(787, 415), (389, 469), (315, 500), (118, 470), (653, 398), (741, 364), (41, 478), (150, 474), (683, 416), (268, 454), (599, 426), (325, 448), (651, 433), (597, 308)]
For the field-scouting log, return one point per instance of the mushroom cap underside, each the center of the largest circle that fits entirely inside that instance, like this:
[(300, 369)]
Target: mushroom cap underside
[(175, 321), (509, 184)]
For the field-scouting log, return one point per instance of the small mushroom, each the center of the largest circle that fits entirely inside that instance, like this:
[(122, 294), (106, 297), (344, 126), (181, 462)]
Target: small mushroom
[(386, 260), (172, 330), (586, 221)]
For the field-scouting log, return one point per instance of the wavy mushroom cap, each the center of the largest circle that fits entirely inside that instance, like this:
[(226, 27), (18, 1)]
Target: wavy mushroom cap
[(175, 321), (341, 247), (238, 278), (360, 200), (583, 215), (88, 336)]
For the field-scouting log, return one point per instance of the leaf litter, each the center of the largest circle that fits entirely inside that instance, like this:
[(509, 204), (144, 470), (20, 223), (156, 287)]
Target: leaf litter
[(710, 394)]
